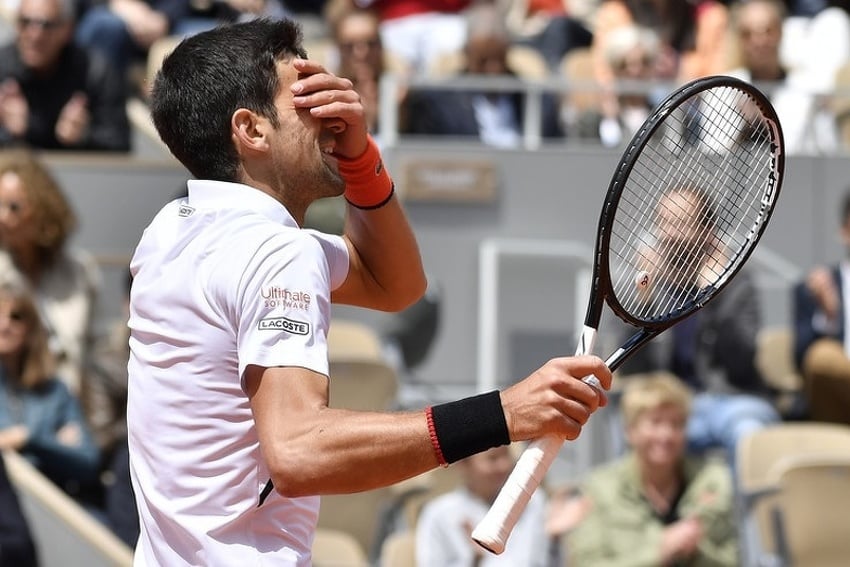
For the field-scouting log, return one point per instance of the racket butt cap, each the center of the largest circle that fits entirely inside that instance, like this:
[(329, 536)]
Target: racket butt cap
[(493, 546)]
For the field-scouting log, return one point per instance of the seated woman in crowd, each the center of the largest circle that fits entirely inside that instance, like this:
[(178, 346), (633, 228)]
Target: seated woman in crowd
[(39, 417), (36, 221), (655, 506)]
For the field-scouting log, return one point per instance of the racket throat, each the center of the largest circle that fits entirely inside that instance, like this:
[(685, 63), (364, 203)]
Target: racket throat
[(586, 340)]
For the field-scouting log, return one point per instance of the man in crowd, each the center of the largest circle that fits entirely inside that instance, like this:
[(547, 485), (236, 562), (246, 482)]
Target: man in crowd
[(55, 95)]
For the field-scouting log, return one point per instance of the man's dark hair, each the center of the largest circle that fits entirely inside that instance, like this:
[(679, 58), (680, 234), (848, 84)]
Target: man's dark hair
[(207, 78)]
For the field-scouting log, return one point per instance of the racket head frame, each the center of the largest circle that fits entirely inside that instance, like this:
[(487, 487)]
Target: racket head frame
[(602, 290)]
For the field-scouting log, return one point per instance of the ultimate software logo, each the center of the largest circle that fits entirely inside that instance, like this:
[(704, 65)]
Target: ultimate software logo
[(275, 296)]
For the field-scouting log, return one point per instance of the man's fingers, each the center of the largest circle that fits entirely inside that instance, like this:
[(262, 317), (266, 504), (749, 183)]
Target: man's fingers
[(308, 66), (315, 78), (588, 365), (324, 98)]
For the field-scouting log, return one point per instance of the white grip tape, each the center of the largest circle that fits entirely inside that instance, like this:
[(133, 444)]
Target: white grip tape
[(493, 531)]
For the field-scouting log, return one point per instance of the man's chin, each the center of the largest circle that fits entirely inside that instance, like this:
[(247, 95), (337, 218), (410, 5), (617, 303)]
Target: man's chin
[(335, 184)]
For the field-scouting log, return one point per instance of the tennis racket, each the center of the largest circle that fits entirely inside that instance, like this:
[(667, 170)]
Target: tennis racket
[(687, 204)]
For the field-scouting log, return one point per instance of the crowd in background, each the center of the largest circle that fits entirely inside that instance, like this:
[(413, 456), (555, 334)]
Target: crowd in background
[(67, 69), (69, 66)]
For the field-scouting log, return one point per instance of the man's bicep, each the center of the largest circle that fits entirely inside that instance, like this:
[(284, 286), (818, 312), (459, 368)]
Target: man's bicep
[(355, 287), (283, 399)]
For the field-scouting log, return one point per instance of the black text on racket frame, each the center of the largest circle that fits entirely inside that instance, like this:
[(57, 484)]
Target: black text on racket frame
[(718, 137)]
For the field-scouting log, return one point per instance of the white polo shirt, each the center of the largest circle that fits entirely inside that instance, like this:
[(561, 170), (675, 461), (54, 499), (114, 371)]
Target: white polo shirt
[(222, 280)]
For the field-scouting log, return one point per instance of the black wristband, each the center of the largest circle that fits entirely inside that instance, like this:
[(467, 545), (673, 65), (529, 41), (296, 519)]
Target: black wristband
[(470, 425)]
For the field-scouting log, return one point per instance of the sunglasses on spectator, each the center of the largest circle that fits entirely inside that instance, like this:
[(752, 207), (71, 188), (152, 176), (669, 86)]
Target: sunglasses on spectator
[(41, 23), (350, 46), (748, 33), (14, 316)]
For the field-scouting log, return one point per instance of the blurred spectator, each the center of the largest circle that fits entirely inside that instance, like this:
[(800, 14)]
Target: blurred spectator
[(693, 35), (816, 47), (356, 35), (821, 337), (549, 27), (206, 14), (104, 398), (655, 506), (807, 125), (54, 95), (358, 55), (714, 350), (104, 389), (631, 53), (804, 8), (496, 118), (420, 31), (758, 27), (35, 223), (17, 548), (446, 522), (815, 51), (124, 30), (39, 417), (122, 515)]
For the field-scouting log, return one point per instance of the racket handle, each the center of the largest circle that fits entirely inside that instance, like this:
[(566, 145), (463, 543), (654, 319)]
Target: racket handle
[(493, 530)]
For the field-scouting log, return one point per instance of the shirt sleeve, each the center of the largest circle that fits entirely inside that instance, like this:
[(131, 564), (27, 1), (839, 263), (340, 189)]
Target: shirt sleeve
[(284, 308), (336, 253)]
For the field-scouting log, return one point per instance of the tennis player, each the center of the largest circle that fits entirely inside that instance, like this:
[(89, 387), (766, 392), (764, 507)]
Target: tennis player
[(231, 437)]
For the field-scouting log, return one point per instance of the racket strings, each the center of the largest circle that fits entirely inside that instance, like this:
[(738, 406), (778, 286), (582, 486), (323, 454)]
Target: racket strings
[(691, 205)]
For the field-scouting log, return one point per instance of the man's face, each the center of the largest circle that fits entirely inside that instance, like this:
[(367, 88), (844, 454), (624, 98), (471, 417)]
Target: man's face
[(678, 220), (360, 48), (636, 64), (15, 325), (485, 473), (43, 31), (301, 147), (17, 218), (760, 32), (658, 436), (685, 240)]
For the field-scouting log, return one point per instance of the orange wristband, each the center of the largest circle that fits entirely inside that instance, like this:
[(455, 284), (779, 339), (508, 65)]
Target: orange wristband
[(367, 183)]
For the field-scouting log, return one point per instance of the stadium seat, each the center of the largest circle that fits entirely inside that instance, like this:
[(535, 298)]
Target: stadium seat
[(399, 550), (775, 361), (352, 340), (333, 548), (759, 457), (811, 527), (360, 380), (355, 514), (66, 534)]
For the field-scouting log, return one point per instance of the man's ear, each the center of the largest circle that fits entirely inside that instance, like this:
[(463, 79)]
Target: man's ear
[(249, 130)]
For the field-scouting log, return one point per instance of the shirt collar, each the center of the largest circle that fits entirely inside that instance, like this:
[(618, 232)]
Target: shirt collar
[(205, 194)]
